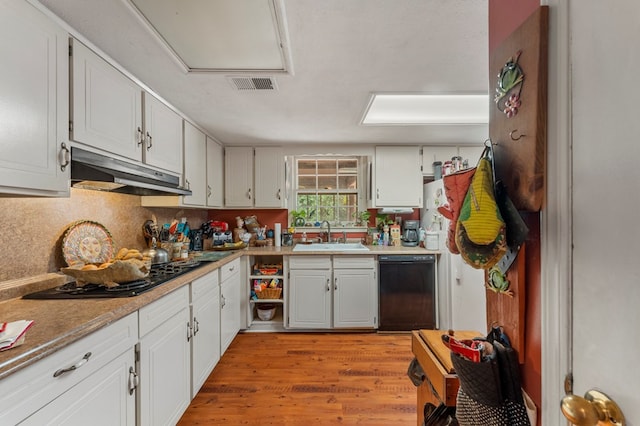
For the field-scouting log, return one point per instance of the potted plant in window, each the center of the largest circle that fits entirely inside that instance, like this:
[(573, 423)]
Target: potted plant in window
[(299, 217), (362, 218)]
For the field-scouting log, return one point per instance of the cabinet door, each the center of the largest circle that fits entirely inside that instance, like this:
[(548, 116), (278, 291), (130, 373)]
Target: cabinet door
[(436, 153), (107, 106), (309, 298), (238, 177), (101, 399), (205, 345), (229, 310), (165, 373), (215, 174), (163, 136), (195, 165), (35, 98), (355, 298), (269, 177), (398, 176)]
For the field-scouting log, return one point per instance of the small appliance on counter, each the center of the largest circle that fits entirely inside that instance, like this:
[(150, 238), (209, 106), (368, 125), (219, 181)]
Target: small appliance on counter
[(410, 233)]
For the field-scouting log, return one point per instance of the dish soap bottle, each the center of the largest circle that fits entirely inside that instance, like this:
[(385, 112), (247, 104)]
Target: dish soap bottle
[(304, 237)]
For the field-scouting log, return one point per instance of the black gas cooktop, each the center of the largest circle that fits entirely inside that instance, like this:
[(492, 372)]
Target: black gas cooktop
[(159, 274)]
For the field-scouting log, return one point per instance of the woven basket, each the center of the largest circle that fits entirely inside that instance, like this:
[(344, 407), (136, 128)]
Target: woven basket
[(269, 293)]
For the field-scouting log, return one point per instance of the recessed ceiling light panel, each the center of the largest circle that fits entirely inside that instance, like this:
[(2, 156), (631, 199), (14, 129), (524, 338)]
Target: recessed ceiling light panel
[(426, 108)]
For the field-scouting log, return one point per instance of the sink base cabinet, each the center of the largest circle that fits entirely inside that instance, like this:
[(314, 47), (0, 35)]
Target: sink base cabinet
[(327, 293)]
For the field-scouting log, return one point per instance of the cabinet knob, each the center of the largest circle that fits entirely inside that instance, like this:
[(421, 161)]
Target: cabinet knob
[(595, 408), (64, 156)]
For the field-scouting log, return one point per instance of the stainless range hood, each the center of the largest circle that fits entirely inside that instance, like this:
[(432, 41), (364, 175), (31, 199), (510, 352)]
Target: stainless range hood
[(90, 170)]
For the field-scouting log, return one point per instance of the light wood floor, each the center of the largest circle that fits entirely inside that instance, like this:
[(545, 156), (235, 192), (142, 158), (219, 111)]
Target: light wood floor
[(309, 379)]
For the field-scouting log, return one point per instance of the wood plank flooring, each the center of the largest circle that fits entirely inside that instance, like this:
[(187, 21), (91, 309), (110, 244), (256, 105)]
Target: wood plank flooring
[(309, 378)]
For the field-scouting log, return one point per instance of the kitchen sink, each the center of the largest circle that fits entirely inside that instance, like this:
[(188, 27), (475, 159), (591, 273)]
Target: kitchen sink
[(330, 247)]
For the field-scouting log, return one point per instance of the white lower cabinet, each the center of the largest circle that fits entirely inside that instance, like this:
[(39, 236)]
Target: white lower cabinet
[(91, 381), (338, 293), (165, 359), (230, 282), (101, 399), (205, 320)]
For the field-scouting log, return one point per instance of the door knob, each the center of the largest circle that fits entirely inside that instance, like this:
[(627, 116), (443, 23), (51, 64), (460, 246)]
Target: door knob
[(595, 408)]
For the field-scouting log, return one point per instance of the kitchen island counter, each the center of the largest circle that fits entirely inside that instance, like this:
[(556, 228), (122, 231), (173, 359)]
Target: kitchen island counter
[(58, 323)]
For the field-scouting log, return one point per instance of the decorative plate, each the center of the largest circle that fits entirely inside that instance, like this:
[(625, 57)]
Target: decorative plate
[(88, 242)]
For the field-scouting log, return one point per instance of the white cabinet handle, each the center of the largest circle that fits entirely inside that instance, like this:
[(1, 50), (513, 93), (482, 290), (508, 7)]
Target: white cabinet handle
[(64, 156), (75, 366), (133, 380)]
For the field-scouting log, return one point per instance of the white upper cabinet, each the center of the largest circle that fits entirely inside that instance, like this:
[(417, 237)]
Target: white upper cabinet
[(195, 165), (254, 178), (106, 107), (238, 182), (269, 177), (162, 135), (398, 179), (35, 102), (215, 174), (107, 113)]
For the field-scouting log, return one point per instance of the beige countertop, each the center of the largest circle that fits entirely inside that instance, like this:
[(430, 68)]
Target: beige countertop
[(58, 323)]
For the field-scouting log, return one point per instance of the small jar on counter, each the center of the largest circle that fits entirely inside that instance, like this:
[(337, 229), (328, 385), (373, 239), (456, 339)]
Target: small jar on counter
[(447, 168)]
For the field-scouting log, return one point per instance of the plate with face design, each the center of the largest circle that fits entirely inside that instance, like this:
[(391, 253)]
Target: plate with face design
[(87, 241)]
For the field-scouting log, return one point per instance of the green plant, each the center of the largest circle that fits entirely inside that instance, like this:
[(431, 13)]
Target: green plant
[(383, 219), (299, 217), (363, 217)]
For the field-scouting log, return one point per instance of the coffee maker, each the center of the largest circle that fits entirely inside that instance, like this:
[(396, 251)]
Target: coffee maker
[(410, 233)]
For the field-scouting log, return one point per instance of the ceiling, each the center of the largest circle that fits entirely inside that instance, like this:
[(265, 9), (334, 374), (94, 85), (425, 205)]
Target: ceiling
[(341, 52)]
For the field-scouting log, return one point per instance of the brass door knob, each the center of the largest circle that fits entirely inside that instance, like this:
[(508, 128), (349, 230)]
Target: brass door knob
[(595, 408)]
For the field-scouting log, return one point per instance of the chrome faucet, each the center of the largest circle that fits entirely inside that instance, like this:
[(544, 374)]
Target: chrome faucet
[(328, 229)]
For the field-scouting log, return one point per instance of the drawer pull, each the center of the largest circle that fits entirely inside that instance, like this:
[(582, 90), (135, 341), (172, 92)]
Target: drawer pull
[(75, 366)]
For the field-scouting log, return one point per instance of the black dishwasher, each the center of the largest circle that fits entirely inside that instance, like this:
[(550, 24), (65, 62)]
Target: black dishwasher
[(407, 292)]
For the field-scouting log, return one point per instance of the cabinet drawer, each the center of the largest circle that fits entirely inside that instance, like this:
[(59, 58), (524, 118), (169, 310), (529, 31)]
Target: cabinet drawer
[(162, 309), (310, 262), (229, 270), (35, 386), (353, 262), (204, 285), (444, 383)]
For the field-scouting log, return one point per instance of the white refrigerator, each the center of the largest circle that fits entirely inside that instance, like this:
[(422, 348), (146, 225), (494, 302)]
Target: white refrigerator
[(461, 291)]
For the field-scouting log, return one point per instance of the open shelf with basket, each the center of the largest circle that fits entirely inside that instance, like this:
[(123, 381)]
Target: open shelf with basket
[(266, 293)]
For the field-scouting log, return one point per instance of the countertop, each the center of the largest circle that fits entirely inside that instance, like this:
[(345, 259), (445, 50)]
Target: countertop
[(58, 323)]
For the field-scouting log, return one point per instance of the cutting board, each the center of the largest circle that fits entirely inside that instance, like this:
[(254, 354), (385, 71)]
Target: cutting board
[(433, 338), (519, 142)]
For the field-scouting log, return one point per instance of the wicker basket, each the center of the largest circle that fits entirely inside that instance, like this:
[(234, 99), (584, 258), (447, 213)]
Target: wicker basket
[(269, 293)]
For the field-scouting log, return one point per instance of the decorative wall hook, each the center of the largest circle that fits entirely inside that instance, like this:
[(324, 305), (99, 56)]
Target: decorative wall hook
[(518, 138)]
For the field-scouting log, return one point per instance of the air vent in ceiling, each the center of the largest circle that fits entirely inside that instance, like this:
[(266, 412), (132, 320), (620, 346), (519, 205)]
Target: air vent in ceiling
[(253, 83)]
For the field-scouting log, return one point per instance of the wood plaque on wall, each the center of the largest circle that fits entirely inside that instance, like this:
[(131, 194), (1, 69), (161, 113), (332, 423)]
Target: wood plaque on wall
[(518, 117)]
